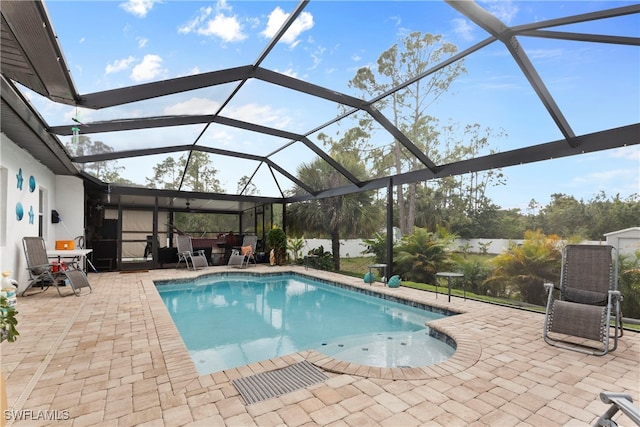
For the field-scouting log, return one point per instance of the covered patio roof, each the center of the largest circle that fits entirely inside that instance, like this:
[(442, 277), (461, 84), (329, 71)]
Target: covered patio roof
[(35, 71)]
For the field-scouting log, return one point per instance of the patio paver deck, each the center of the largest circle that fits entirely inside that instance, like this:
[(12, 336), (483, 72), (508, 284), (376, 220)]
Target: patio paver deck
[(115, 358)]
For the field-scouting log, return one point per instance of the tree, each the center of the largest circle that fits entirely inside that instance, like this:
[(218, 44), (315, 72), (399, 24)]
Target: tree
[(166, 175), (193, 172), (350, 215), (610, 214), (398, 64), (460, 197), (565, 216), (106, 170), (246, 186), (200, 175)]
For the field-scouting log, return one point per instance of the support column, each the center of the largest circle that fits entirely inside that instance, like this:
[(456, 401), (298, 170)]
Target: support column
[(390, 228)]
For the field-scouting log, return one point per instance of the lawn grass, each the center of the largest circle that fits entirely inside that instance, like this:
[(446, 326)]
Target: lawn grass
[(357, 267)]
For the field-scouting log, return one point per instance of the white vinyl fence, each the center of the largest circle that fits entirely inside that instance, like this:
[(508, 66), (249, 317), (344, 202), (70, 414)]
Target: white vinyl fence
[(352, 248)]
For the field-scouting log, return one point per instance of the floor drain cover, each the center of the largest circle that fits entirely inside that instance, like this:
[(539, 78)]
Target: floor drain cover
[(266, 385)]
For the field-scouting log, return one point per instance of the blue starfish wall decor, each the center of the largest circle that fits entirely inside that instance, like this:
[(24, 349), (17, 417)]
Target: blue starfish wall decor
[(31, 214), (20, 179)]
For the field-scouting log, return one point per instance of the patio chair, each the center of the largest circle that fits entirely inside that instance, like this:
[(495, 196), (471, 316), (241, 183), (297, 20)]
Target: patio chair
[(193, 260), (243, 256), (619, 402), (580, 319), (46, 274), (251, 241)]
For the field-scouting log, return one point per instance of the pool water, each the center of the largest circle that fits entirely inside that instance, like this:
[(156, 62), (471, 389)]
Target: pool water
[(233, 320)]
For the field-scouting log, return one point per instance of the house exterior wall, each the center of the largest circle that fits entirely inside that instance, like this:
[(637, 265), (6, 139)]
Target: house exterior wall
[(62, 193)]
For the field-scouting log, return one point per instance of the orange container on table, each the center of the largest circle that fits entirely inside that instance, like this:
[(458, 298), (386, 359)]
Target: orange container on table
[(65, 245)]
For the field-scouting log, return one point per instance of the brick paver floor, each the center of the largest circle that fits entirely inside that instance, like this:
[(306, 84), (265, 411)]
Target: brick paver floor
[(115, 358)]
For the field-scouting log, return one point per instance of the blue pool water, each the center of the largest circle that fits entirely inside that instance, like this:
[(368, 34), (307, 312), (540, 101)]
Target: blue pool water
[(232, 320)]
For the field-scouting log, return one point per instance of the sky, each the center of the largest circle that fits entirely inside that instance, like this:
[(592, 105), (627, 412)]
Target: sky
[(113, 44)]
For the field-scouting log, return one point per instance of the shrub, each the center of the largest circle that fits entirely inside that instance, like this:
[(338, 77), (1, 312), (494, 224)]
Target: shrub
[(277, 240), (475, 273), (323, 260), (520, 272), (629, 284), (378, 247), (420, 255), (295, 245)]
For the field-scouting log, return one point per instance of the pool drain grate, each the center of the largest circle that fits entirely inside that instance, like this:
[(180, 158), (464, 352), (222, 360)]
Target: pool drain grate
[(265, 385)]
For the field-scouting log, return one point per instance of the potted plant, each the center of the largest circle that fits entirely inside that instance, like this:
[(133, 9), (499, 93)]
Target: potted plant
[(9, 333), (277, 242), (8, 320)]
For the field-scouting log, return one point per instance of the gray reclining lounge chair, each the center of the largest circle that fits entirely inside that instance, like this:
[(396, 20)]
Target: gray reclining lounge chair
[(619, 402), (193, 260), (589, 300), (45, 274), (243, 256)]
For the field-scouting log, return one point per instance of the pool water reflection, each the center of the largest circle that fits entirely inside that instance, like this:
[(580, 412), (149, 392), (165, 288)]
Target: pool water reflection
[(232, 320)]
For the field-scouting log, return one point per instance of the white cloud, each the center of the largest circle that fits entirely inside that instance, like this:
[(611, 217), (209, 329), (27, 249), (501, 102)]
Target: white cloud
[(317, 56), (545, 53), (626, 153), (83, 115), (263, 114), (139, 8), (227, 28), (504, 10), (149, 68), (193, 106), (277, 17), (195, 22), (462, 28), (142, 42), (614, 171), (288, 72), (119, 65), (222, 5)]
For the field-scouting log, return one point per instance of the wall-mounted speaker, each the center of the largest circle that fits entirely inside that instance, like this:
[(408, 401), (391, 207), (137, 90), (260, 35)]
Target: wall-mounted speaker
[(55, 217)]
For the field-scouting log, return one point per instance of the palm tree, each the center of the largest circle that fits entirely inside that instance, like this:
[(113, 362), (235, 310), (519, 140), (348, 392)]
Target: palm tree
[(521, 271), (420, 255), (351, 215)]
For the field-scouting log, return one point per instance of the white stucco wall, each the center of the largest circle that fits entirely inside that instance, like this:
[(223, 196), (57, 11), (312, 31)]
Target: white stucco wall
[(63, 193)]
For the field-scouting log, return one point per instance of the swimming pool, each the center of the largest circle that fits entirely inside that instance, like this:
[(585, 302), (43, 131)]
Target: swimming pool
[(229, 320)]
